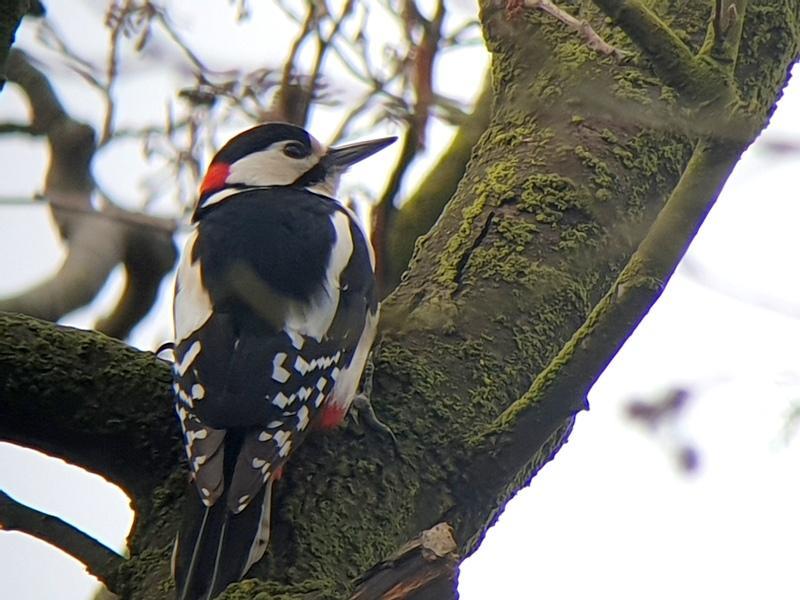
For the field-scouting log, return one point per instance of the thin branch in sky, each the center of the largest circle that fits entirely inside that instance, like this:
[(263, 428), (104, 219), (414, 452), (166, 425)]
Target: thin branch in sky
[(100, 561)]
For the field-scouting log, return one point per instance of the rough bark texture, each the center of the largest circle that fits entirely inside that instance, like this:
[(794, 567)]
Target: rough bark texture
[(423, 569), (589, 182), (420, 211)]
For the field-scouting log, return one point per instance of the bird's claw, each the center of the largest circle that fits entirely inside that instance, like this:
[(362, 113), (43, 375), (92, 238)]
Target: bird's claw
[(362, 408)]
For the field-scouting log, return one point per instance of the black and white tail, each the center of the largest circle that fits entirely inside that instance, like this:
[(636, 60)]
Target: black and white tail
[(216, 546)]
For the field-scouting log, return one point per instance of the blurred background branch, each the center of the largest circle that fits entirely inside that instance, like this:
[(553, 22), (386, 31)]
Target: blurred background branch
[(94, 247)]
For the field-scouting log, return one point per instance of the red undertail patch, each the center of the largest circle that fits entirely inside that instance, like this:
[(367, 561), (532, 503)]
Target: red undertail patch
[(215, 178), (332, 416)]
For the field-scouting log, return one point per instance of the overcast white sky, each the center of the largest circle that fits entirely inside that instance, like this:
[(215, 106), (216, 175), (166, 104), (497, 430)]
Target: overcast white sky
[(612, 515)]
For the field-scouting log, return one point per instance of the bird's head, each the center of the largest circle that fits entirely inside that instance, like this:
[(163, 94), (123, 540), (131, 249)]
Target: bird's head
[(280, 154)]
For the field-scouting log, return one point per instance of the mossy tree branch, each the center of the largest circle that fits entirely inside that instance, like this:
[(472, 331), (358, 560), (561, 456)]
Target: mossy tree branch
[(88, 399), (725, 32), (561, 388), (676, 64)]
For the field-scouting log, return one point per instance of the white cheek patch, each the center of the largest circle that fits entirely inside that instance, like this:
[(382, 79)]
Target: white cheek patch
[(270, 167)]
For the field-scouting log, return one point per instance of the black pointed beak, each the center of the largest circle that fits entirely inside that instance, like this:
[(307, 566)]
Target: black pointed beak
[(345, 156)]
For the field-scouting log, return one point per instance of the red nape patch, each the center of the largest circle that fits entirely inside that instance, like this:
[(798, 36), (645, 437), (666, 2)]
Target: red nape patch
[(278, 474), (331, 417), (215, 178)]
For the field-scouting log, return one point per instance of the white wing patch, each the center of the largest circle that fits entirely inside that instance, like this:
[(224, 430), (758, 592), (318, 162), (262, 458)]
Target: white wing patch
[(315, 318), (347, 379), (192, 307)]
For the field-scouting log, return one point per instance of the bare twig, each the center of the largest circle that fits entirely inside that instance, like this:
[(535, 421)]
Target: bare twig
[(593, 39), (170, 30), (12, 128), (111, 77), (290, 93), (323, 43), (423, 60), (100, 561), (51, 38)]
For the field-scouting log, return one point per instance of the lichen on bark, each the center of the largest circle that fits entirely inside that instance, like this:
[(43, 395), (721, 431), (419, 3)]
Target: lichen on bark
[(529, 275)]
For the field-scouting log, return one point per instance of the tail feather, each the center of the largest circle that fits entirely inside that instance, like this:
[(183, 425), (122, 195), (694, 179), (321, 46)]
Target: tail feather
[(216, 547)]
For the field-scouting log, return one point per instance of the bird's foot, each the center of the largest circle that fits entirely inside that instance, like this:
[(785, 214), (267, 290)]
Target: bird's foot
[(362, 410)]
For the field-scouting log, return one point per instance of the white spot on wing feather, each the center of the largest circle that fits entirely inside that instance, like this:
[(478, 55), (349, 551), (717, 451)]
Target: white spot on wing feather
[(280, 400), (279, 374), (284, 450), (282, 437), (301, 366), (302, 418), (295, 337)]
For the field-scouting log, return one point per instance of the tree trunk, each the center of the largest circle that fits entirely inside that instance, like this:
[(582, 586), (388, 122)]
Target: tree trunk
[(580, 197)]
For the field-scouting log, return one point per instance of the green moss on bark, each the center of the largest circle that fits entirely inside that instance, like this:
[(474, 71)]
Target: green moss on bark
[(550, 209)]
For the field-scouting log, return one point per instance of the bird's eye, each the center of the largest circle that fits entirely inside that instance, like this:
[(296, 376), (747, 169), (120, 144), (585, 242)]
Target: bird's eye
[(295, 150)]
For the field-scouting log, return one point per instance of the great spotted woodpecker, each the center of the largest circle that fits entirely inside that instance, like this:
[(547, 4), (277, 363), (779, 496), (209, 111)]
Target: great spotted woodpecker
[(275, 312)]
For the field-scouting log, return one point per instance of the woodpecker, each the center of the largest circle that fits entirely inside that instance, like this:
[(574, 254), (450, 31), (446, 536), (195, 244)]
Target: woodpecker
[(275, 311)]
